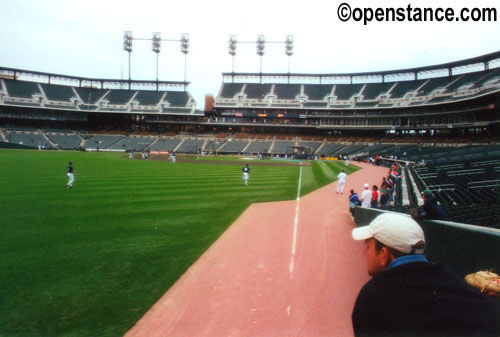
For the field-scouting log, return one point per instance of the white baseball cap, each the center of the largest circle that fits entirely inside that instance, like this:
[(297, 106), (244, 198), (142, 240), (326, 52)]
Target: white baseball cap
[(398, 231), (367, 186)]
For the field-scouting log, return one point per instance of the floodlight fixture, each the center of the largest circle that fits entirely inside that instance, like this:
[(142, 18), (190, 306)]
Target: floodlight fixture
[(289, 45), (127, 41), (185, 44), (127, 46), (232, 45), (156, 42), (232, 48), (289, 52), (261, 45), (156, 47)]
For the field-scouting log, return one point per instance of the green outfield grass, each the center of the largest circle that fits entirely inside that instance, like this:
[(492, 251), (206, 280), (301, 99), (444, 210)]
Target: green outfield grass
[(92, 260)]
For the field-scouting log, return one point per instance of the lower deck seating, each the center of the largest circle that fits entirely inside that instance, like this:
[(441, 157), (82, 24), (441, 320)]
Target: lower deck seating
[(66, 142)]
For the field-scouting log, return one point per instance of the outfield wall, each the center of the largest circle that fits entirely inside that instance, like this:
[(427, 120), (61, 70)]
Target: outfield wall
[(5, 145), (463, 248)]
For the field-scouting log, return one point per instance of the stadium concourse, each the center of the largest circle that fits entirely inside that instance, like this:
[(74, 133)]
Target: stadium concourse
[(285, 268)]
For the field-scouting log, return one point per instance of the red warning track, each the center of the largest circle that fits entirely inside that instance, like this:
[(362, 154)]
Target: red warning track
[(282, 269)]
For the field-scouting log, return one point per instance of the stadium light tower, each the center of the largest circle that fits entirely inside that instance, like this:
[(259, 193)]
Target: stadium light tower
[(185, 51), (156, 47), (127, 46), (261, 46), (289, 49), (289, 52), (232, 47)]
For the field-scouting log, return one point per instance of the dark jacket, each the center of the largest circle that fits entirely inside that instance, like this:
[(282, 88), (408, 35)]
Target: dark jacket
[(432, 211), (422, 299)]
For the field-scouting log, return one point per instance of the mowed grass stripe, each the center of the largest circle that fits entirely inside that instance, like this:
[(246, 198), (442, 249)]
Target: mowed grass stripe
[(92, 260)]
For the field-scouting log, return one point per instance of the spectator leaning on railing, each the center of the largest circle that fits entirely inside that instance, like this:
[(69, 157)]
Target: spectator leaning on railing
[(431, 209), (407, 295)]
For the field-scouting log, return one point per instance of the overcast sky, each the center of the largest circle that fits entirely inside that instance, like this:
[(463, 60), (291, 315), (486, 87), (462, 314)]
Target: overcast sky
[(85, 38)]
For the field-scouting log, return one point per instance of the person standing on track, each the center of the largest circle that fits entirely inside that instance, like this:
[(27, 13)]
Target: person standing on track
[(70, 174), (375, 197), (366, 197), (340, 185), (246, 174)]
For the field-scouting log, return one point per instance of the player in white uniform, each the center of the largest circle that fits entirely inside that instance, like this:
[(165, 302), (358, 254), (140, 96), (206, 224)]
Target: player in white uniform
[(246, 174), (71, 175), (340, 186)]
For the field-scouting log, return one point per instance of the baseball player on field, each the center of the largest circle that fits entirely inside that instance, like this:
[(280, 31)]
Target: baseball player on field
[(341, 182), (71, 175), (246, 173)]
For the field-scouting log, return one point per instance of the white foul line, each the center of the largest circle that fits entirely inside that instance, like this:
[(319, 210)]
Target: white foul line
[(296, 222)]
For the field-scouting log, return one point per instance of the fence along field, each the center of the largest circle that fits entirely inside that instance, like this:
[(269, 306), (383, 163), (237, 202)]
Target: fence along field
[(92, 260)]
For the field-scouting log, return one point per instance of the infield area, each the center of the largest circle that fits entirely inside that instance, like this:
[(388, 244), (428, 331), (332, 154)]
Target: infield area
[(92, 260)]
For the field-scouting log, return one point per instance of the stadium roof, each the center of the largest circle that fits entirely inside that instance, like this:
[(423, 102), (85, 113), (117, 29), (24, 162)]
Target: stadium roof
[(12, 73), (444, 66)]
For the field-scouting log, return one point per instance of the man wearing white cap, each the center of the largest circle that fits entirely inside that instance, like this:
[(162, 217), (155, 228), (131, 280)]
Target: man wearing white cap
[(366, 197), (407, 295)]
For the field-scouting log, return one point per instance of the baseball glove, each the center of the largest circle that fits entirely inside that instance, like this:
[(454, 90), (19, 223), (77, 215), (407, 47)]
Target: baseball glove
[(486, 281)]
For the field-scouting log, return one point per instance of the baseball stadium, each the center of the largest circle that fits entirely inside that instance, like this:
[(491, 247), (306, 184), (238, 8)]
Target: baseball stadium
[(144, 245)]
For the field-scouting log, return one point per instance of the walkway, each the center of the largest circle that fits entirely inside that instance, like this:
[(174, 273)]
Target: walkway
[(282, 269)]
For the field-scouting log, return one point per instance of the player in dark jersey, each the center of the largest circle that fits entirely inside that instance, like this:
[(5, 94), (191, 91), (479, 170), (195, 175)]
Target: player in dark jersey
[(246, 173), (71, 175)]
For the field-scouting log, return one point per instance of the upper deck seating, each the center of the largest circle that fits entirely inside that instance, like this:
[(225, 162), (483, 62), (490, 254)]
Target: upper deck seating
[(177, 98), (373, 90), (257, 91), (21, 89), (287, 91), (229, 90), (317, 92), (151, 98), (90, 96), (119, 97), (493, 74), (403, 87), (469, 78), (346, 91), (60, 93), (433, 84)]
